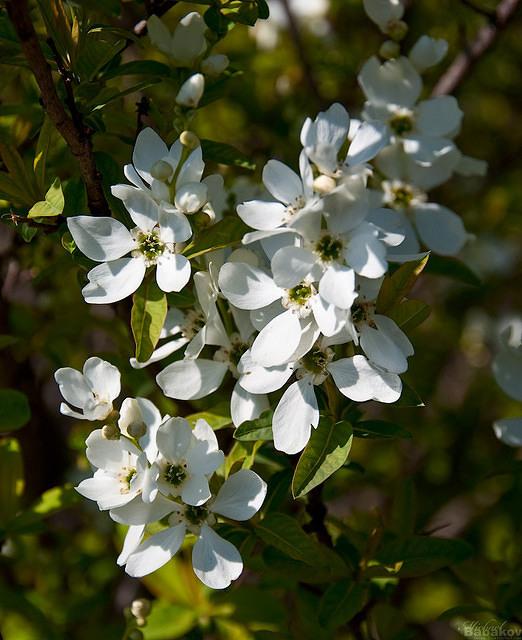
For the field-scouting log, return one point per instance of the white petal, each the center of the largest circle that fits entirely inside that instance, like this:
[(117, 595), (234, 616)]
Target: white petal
[(427, 52), (390, 328), (393, 82), (241, 496), (174, 226), (172, 271), (367, 255), (148, 149), (103, 378), (195, 490), (247, 287), (174, 438), (191, 91), (507, 369), (131, 542), (73, 386), (204, 457), (439, 116), (337, 286), (113, 281), (370, 138), (155, 551), (382, 350), (100, 239), (191, 197), (192, 169), (294, 416), (246, 406), (105, 454), (191, 379), (160, 353), (291, 265), (216, 561), (142, 208), (278, 340), (138, 512), (261, 215), (328, 317), (358, 380), (509, 431), (283, 183), (440, 229), (383, 11), (256, 379), (323, 138)]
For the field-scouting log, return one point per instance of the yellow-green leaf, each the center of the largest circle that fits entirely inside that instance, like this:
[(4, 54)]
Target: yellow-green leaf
[(396, 286), (149, 309), (52, 205)]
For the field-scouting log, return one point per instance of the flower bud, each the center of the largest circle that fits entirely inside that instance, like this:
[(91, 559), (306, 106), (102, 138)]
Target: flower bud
[(324, 184), (191, 91), (140, 608), (110, 432), (161, 170), (137, 429), (135, 634), (189, 140), (214, 65), (397, 29), (389, 50)]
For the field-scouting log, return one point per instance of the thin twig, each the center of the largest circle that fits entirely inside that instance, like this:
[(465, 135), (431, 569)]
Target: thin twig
[(484, 40), (301, 51), (77, 138)]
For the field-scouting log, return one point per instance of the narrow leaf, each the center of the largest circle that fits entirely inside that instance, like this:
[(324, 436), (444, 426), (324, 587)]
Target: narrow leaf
[(396, 286), (51, 501), (341, 602), (326, 451), (379, 429), (259, 429), (149, 309), (224, 233), (225, 154), (410, 314), (454, 269)]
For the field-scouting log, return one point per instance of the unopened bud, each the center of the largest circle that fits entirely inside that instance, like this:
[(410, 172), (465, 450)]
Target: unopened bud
[(389, 50), (110, 432), (161, 170), (137, 429), (140, 608), (324, 184), (214, 65), (397, 29), (135, 634), (189, 140), (191, 91)]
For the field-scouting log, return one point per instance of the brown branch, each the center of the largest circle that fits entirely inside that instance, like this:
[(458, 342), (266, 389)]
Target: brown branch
[(76, 136), (484, 40)]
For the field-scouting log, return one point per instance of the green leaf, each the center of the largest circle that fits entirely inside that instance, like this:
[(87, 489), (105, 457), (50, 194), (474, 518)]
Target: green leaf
[(224, 233), (241, 456), (263, 9), (284, 533), (139, 68), (149, 309), (218, 417), (396, 286), (42, 149), (410, 314), (168, 621), (326, 451), (409, 397), (13, 191), (14, 410), (423, 554), (50, 502), (18, 171), (242, 11), (341, 602), (259, 429), (216, 21), (379, 429), (225, 154), (52, 205), (11, 479), (454, 269)]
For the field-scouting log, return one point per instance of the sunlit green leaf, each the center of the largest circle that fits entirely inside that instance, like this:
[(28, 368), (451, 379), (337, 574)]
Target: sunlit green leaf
[(396, 286), (50, 502), (224, 233), (259, 429), (149, 309)]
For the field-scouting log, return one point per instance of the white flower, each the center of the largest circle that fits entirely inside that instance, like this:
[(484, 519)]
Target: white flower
[(191, 91), (297, 411), (323, 138), (427, 52), (92, 391), (140, 419), (392, 90), (186, 44), (154, 241), (384, 12), (121, 470), (216, 561), (186, 459)]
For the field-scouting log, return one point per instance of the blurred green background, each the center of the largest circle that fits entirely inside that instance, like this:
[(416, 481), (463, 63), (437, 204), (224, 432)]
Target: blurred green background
[(452, 476)]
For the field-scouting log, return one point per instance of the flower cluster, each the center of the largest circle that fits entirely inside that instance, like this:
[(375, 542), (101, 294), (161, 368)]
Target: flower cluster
[(150, 468)]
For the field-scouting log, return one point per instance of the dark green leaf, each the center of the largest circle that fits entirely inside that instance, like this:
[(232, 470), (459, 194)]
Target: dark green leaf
[(410, 314), (11, 479), (340, 602), (139, 68), (263, 9), (326, 451), (379, 429), (259, 429), (409, 397), (149, 309), (396, 286), (216, 21), (225, 154), (14, 410), (224, 233), (454, 269)]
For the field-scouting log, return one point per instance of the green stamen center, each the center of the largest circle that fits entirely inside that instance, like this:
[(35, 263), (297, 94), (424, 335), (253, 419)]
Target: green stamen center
[(196, 515), (300, 294), (175, 474), (401, 124), (150, 245), (329, 248)]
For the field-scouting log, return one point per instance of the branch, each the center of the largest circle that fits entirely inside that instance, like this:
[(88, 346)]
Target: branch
[(74, 134), (466, 60)]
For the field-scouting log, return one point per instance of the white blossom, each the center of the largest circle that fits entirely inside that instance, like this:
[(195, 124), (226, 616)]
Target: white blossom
[(191, 91), (186, 44)]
